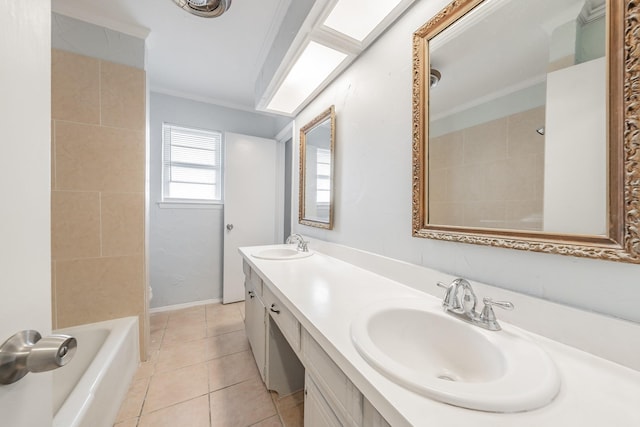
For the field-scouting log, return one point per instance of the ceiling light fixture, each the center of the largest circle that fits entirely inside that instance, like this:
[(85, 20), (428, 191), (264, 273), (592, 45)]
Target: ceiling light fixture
[(434, 78), (312, 67), (358, 18), (204, 8)]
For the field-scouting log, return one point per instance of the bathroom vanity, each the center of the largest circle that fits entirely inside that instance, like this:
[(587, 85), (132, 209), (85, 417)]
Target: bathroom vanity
[(300, 314)]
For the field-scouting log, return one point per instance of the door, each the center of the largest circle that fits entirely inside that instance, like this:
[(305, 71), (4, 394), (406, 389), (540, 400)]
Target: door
[(255, 315), (25, 254), (317, 412), (250, 190)]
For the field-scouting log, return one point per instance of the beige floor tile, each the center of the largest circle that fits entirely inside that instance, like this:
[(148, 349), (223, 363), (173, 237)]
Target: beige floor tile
[(293, 416), (153, 356), (220, 322), (158, 321), (132, 404), (241, 308), (181, 371), (183, 319), (155, 340), (178, 356), (180, 385), (183, 311), (289, 401), (145, 370), (269, 422), (233, 369), (214, 310), (223, 345), (183, 334), (290, 408), (128, 423), (192, 413), (230, 406)]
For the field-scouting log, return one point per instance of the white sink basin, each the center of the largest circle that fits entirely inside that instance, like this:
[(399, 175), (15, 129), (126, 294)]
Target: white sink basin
[(419, 347), (281, 253)]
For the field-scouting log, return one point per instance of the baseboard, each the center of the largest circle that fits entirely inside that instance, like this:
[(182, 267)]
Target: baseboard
[(184, 305)]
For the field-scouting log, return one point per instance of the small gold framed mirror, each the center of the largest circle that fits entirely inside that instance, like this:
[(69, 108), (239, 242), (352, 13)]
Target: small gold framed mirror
[(317, 146), (525, 126)]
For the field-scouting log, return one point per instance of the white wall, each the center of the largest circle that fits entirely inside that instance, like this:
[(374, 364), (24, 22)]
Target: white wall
[(185, 244), (373, 189)]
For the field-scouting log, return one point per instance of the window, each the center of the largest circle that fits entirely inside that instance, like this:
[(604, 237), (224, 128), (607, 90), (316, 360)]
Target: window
[(323, 180), (192, 165)]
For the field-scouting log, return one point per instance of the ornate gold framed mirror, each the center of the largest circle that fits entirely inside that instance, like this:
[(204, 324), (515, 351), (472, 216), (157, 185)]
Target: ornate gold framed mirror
[(525, 126), (317, 142)]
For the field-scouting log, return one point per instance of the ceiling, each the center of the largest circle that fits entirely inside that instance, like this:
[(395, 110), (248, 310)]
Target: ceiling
[(478, 63), (215, 60)]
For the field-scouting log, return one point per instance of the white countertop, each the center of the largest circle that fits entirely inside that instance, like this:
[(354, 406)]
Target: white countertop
[(325, 294)]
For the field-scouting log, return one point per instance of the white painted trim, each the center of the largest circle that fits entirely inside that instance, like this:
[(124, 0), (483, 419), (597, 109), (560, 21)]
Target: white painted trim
[(189, 205), (592, 11), (90, 17), (480, 12), (274, 28), (286, 133), (185, 305), (313, 29), (295, 50), (208, 100), (280, 165), (491, 97)]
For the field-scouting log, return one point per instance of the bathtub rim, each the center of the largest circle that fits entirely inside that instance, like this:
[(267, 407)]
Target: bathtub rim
[(78, 402)]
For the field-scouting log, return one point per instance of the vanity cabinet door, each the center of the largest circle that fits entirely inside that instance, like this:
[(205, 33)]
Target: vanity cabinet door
[(255, 326), (337, 389), (317, 412)]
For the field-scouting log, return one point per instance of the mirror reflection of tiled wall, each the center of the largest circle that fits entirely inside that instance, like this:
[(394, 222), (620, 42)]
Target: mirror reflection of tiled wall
[(98, 190), (490, 175)]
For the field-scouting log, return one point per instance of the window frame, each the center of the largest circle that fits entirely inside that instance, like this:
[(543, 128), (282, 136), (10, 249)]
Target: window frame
[(165, 199)]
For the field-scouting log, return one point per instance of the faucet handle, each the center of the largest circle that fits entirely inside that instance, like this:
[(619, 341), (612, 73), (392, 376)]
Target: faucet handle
[(488, 317), (505, 305), (450, 300)]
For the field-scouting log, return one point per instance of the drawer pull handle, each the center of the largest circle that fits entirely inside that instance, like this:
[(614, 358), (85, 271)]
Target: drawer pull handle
[(252, 294), (274, 309)]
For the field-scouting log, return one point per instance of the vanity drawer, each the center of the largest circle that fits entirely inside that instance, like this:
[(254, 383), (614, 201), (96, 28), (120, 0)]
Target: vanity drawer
[(336, 387), (286, 321)]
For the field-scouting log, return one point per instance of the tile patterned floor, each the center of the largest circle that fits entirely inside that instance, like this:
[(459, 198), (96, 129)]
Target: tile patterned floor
[(201, 373)]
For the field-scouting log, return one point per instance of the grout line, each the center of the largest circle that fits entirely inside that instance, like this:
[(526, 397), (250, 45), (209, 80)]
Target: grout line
[(100, 225), (208, 389), (99, 93), (54, 292), (54, 184), (142, 130)]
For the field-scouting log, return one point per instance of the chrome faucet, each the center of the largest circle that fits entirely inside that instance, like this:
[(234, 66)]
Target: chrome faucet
[(460, 301), (303, 245)]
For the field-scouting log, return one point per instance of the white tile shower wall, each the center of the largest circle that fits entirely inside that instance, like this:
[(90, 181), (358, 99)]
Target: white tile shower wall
[(373, 189)]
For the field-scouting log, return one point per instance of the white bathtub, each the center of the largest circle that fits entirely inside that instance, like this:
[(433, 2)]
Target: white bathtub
[(89, 390)]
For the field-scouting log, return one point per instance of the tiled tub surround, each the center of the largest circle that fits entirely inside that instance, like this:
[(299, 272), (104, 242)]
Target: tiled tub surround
[(489, 175), (201, 374), (98, 187), (325, 293)]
